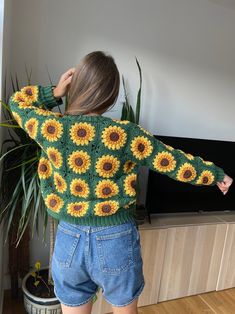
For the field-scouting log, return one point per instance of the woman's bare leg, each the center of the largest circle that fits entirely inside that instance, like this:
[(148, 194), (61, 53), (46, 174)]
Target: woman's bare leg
[(82, 309), (128, 309)]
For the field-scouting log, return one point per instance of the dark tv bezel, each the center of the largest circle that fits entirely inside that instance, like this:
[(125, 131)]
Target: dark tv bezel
[(189, 198)]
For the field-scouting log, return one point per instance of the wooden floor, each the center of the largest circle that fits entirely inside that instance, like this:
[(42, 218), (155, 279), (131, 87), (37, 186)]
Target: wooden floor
[(222, 302)]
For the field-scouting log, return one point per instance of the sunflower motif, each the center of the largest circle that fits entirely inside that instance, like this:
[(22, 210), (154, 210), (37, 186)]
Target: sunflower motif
[(79, 161), (43, 112), (54, 202), (164, 162), (141, 147), (30, 93), (130, 184), (206, 178), (77, 209), (24, 105), (114, 137), (32, 127), (106, 208), (208, 163), (55, 156), (186, 173), (106, 188), (52, 130), (128, 166), (44, 168), (129, 203), (145, 131), (82, 133), (79, 187), (19, 97), (60, 183), (169, 147), (17, 117), (107, 166), (189, 156), (121, 121)]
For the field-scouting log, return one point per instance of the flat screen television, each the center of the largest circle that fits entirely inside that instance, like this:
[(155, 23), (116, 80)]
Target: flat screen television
[(166, 195)]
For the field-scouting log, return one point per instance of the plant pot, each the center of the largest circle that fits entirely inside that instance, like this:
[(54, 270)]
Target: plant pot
[(35, 304)]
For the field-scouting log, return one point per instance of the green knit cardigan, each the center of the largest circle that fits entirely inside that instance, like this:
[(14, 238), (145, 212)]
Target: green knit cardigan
[(88, 164)]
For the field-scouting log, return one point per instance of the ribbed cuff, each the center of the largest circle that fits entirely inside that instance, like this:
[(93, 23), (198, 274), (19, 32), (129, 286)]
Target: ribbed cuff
[(48, 98), (220, 174)]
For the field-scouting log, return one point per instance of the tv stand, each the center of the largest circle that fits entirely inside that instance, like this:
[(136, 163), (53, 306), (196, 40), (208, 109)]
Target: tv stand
[(183, 255)]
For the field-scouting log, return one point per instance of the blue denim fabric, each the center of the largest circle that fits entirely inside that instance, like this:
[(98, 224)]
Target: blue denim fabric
[(87, 257)]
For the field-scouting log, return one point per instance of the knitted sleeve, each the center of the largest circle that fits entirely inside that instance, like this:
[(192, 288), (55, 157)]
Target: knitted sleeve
[(31, 106), (145, 150)]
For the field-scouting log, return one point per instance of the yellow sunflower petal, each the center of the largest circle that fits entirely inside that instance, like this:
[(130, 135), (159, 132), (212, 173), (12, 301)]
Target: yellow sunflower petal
[(206, 178), (44, 168), (106, 208), (79, 187), (141, 147), (82, 133), (55, 156), (164, 162), (30, 93), (77, 209), (17, 117), (79, 161), (114, 137), (106, 188), (32, 127), (130, 184), (52, 130), (54, 202), (186, 173), (60, 183), (107, 166)]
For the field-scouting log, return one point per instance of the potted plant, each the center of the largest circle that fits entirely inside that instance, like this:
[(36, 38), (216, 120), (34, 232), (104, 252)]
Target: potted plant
[(22, 205), (129, 114)]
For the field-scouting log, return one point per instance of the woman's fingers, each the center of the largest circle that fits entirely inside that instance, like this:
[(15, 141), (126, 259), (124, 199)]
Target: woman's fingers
[(67, 74)]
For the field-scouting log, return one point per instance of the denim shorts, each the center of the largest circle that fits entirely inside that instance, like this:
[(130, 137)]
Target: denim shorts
[(88, 257)]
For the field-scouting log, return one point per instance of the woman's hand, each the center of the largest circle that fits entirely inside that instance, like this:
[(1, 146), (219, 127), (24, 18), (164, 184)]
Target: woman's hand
[(62, 88), (224, 186)]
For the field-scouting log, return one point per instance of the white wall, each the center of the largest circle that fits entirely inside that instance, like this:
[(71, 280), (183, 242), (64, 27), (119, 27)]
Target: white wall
[(186, 49)]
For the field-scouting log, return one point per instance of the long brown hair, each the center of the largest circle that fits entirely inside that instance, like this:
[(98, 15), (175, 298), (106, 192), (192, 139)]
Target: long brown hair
[(95, 85)]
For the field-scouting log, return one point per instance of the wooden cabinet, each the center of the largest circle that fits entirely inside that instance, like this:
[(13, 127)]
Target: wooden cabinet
[(184, 255)]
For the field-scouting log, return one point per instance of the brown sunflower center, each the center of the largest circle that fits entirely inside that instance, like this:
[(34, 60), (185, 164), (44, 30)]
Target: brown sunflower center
[(106, 190), (187, 174), (81, 132), (78, 161), (51, 129), (205, 180), (106, 208), (30, 127), (114, 136), (107, 166), (53, 157), (133, 184), (59, 183), (141, 147), (53, 202), (164, 162), (29, 92), (43, 167), (78, 188), (77, 207)]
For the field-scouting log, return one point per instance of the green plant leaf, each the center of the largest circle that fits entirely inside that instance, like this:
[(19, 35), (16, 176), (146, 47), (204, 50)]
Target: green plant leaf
[(138, 101)]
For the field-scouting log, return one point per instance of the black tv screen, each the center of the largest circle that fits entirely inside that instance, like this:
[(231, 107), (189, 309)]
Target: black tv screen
[(165, 195)]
